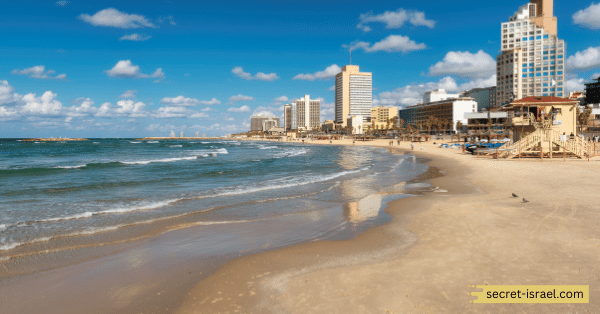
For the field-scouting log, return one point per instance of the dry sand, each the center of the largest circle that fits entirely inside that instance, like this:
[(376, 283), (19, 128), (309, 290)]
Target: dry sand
[(472, 231)]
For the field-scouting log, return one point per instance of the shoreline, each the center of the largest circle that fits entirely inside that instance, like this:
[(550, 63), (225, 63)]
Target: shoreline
[(435, 247)]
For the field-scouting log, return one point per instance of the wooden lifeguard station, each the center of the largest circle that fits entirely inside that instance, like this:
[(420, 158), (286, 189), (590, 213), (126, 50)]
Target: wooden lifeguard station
[(544, 126)]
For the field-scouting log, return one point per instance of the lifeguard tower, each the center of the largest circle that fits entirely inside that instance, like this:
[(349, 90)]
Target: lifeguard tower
[(543, 127)]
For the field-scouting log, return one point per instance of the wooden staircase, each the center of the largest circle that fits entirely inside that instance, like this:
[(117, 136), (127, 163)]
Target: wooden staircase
[(533, 143)]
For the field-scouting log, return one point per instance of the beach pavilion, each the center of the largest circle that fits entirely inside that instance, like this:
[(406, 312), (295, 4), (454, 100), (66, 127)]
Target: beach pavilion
[(543, 126)]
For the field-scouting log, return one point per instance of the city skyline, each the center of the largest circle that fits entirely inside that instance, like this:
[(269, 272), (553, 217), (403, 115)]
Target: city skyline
[(117, 69)]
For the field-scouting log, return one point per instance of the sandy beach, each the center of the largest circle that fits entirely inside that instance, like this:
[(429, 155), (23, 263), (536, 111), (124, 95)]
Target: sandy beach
[(470, 231)]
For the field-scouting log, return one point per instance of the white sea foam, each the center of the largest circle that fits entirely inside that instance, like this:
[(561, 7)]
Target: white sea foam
[(205, 142), (132, 142), (145, 162), (175, 146), (2, 227), (96, 142), (266, 147), (71, 167), (152, 142), (291, 153), (10, 246)]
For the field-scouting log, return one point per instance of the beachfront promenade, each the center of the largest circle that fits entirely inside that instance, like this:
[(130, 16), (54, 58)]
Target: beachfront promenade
[(470, 231)]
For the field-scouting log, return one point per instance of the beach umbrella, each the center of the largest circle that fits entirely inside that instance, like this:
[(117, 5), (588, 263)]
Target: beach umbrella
[(494, 140), (506, 139), (483, 140)]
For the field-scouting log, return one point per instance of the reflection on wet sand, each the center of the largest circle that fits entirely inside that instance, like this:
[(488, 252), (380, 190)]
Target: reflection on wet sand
[(363, 210)]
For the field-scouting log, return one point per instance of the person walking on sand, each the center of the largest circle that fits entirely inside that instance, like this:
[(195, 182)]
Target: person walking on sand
[(412, 146)]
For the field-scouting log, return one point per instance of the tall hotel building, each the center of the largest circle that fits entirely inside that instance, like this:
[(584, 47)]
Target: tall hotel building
[(353, 94), (532, 61), (304, 113)]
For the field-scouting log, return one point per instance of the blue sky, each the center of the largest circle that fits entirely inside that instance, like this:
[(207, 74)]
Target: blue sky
[(128, 69)]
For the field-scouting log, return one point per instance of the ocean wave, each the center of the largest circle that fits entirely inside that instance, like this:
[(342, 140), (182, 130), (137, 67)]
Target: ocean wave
[(2, 227), (291, 153), (175, 145), (266, 147), (145, 162), (71, 167), (152, 142), (204, 142), (134, 142)]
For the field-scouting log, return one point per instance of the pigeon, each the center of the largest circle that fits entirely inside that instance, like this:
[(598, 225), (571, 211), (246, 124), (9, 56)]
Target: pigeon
[(515, 195), (525, 201)]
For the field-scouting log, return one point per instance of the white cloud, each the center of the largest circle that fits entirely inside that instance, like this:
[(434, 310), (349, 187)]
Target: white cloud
[(136, 37), (43, 105), (199, 115), (394, 19), (413, 94), (575, 84), (240, 97), (262, 113), (593, 77), (589, 58), (478, 83), (213, 101), (207, 108), (328, 73), (332, 88), (260, 76), (39, 72), (282, 99), (392, 43), (126, 69), (588, 17), (124, 108), (240, 109), (8, 114), (7, 93), (170, 112), (180, 101), (130, 93), (84, 109), (465, 64), (62, 3), (114, 18)]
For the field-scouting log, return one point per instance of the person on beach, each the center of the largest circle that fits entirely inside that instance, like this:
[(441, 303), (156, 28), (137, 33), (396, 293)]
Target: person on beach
[(412, 146)]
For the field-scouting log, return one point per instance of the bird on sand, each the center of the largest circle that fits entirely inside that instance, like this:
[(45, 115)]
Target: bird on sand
[(515, 195), (525, 201)]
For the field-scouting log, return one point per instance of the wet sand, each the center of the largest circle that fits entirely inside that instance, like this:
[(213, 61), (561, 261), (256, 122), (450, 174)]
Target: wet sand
[(470, 232)]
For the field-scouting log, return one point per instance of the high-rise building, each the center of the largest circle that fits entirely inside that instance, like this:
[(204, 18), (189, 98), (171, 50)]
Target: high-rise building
[(532, 61), (308, 113), (592, 92), (485, 97), (287, 117), (263, 123), (353, 94)]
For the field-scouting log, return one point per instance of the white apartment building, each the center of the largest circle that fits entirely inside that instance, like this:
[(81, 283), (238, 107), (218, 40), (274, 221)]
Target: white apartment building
[(308, 114), (437, 95), (532, 61)]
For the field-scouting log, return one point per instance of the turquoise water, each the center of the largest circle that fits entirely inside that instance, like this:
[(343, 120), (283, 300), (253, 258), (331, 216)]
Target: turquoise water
[(51, 191)]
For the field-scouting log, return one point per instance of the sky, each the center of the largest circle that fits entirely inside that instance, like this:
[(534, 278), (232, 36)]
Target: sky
[(132, 69)]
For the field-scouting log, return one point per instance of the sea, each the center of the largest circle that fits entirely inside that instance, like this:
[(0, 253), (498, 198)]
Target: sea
[(238, 196)]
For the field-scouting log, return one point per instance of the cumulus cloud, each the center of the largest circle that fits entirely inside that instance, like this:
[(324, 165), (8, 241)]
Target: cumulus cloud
[(260, 76), (43, 105), (588, 17), (130, 93), (39, 72), (260, 112), (575, 84), (124, 108), (126, 69), (394, 19), (114, 18), (413, 94), (240, 97), (589, 58), (7, 93), (392, 43), (326, 74), (282, 99), (84, 109), (465, 64), (170, 112), (180, 101), (240, 109), (478, 83), (136, 37)]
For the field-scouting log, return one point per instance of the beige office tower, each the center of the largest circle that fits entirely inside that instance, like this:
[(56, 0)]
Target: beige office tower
[(353, 94), (287, 117), (308, 113), (532, 62), (381, 116)]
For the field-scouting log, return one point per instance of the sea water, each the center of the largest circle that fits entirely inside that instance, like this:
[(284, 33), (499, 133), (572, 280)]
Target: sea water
[(69, 194)]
